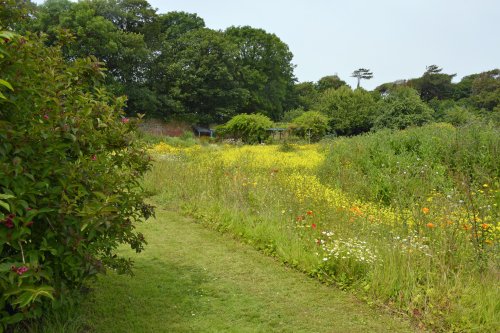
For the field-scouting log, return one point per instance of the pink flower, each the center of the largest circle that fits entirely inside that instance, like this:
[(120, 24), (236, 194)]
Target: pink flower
[(94, 157), (125, 120), (46, 116), (21, 270)]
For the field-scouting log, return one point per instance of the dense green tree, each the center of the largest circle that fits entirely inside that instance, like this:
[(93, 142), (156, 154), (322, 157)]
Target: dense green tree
[(95, 28), (485, 90), (350, 112), (463, 89), (127, 15), (330, 82), (433, 84), (402, 108), (265, 70), (362, 74), (305, 95), (197, 81), (175, 24), (15, 14)]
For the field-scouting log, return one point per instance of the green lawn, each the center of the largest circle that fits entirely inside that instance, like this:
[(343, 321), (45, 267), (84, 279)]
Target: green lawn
[(190, 279)]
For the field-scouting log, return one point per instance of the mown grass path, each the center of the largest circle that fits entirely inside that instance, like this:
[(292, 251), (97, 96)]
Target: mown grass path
[(190, 279)]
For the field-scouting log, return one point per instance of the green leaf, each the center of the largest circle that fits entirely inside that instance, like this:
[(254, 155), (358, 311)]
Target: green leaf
[(5, 267), (5, 205), (6, 84)]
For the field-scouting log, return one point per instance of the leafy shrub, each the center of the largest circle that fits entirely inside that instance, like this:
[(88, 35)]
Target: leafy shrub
[(350, 112), (402, 108), (311, 124), (290, 115), (459, 116), (250, 128), (70, 169)]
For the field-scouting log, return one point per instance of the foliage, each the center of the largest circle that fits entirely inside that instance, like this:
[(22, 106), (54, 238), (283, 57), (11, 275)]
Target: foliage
[(201, 69), (402, 108), (350, 112), (329, 82), (250, 128), (433, 84), (264, 70), (290, 115), (305, 95), (312, 125), (459, 116), (70, 169), (485, 90), (110, 31), (175, 24), (385, 88), (14, 14)]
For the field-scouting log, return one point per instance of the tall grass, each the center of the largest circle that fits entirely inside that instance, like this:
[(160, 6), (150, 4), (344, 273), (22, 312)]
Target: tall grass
[(406, 219)]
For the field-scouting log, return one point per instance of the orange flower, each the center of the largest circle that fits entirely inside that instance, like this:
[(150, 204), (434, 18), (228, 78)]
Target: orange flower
[(300, 218), (425, 210), (485, 226), (467, 227), (430, 225), (309, 212), (356, 210)]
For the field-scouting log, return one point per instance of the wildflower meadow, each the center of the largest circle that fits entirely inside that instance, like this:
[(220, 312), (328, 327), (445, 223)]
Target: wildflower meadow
[(406, 220)]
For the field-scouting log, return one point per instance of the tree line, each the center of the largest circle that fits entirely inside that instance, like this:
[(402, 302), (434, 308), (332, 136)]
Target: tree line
[(171, 66)]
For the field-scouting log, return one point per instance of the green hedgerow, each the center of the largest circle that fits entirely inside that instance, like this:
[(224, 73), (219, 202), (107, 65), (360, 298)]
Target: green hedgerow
[(70, 169)]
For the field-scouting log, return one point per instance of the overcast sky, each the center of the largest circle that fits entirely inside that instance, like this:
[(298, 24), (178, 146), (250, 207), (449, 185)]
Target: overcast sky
[(396, 39)]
